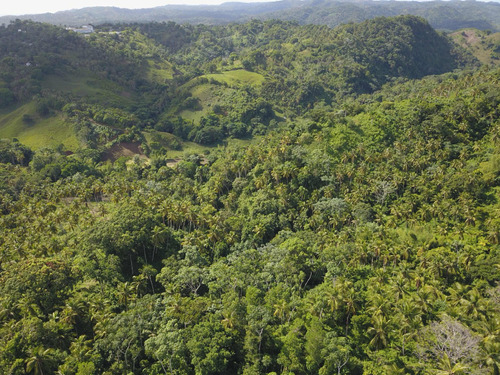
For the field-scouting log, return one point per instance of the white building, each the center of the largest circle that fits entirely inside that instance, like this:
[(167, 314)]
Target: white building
[(86, 29)]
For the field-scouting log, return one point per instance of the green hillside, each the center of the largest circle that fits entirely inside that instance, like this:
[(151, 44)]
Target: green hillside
[(360, 238), (90, 87), (35, 131), (211, 91), (484, 45), (201, 83), (237, 78)]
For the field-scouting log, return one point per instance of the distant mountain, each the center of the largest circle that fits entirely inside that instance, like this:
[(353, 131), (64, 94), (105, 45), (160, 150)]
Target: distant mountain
[(449, 15), (452, 15), (210, 14)]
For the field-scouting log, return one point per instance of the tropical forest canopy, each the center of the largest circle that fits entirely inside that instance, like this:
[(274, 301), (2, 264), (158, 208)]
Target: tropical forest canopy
[(255, 198)]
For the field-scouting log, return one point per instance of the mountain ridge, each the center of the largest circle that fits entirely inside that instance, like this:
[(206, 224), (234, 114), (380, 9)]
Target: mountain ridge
[(442, 15)]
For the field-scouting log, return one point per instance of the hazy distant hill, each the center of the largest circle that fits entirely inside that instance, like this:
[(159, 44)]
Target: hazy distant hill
[(216, 14), (442, 15)]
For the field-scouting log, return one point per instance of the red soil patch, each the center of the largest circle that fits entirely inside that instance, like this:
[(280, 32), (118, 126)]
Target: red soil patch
[(172, 162), (127, 149)]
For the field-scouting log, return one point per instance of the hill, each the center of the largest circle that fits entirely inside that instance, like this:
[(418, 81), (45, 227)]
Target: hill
[(451, 15), (484, 45), (360, 238), (203, 83), (444, 16)]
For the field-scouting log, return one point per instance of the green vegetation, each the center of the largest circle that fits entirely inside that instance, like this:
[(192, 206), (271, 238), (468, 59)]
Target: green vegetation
[(484, 45), (334, 209), (205, 98), (159, 71), (90, 87), (211, 83), (451, 15), (36, 131), (237, 77)]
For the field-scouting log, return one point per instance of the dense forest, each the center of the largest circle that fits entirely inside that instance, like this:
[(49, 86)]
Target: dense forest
[(300, 199)]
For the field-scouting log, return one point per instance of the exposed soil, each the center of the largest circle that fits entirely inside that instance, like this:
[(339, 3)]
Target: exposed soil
[(173, 162), (127, 149)]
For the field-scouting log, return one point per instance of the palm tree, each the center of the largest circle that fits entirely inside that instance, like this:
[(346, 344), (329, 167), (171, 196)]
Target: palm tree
[(457, 295), (350, 303), (39, 362), (447, 368), (408, 320), (379, 304), (229, 320), (491, 348), (333, 300), (378, 332), (126, 293), (71, 311), (280, 309)]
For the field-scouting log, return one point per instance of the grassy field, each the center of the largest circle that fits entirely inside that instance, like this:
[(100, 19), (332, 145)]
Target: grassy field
[(195, 148), (41, 132), (193, 115), (97, 90), (206, 94), (159, 71), (187, 147), (55, 130), (237, 78)]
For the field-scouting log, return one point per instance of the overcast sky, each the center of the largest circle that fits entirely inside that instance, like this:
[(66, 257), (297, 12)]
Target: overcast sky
[(13, 7)]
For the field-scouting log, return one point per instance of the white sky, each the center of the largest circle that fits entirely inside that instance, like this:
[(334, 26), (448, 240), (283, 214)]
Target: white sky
[(19, 7)]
